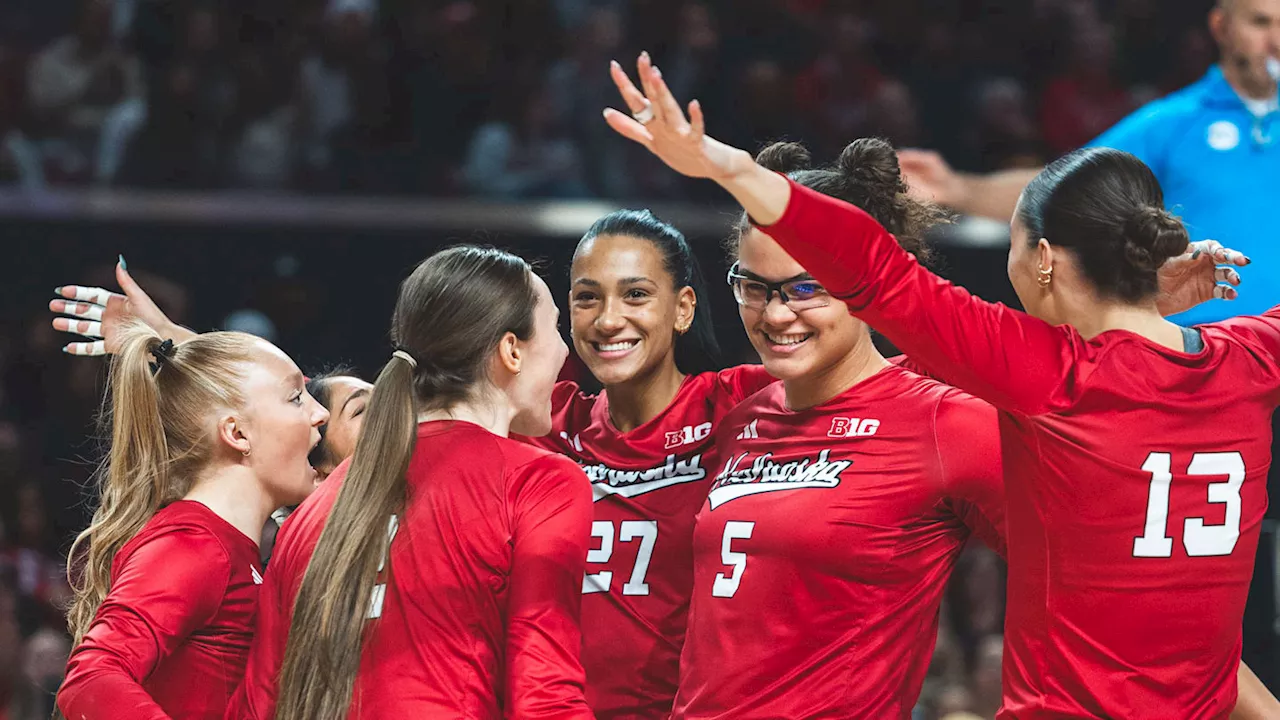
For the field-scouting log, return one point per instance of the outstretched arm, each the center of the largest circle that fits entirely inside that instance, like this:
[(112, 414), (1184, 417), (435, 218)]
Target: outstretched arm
[(1006, 357), (994, 195)]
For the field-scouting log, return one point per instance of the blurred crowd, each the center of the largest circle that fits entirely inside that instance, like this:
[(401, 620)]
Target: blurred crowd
[(502, 100)]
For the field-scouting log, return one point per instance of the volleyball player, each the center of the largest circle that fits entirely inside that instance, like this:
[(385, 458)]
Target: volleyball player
[(438, 574), (206, 440), (641, 323), (1108, 418)]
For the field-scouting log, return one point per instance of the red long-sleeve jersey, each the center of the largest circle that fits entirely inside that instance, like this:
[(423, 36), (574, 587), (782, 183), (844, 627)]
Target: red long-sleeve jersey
[(480, 616), (648, 485), (1135, 476), (825, 544), (172, 636)]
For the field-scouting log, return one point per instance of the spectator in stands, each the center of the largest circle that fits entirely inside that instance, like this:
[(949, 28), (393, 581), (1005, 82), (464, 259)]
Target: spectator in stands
[(525, 154), (86, 96)]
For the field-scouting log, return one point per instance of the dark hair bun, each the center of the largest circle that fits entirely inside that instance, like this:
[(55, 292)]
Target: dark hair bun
[(785, 157), (1153, 235), (873, 164)]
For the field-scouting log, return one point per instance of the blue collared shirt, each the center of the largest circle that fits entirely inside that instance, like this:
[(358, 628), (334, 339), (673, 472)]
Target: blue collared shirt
[(1219, 166)]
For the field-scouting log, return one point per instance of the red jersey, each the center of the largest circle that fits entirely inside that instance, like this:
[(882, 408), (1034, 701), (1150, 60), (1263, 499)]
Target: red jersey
[(825, 545), (480, 617), (1135, 476), (648, 485), (171, 638)]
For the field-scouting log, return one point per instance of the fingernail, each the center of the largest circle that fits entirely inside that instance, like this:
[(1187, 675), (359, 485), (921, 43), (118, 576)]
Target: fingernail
[(1195, 254), (644, 54), (57, 290), (1247, 260), (123, 265), (614, 64), (656, 71)]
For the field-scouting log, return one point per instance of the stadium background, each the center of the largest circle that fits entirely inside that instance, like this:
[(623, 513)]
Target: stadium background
[(279, 165)]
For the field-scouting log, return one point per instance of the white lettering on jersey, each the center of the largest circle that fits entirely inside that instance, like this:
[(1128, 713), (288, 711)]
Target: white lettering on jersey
[(688, 435), (607, 481), (844, 427), (765, 475), (575, 442), (749, 431)]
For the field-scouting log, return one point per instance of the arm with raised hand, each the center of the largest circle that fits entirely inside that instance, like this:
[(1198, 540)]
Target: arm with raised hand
[(993, 195), (1011, 359), (99, 314), (1007, 357)]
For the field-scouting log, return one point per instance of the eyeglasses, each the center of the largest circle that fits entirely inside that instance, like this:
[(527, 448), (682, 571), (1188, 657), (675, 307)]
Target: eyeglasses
[(795, 294)]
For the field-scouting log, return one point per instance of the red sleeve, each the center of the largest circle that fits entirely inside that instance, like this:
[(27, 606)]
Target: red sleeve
[(1006, 357), (551, 515), (168, 588), (967, 433), (1261, 335)]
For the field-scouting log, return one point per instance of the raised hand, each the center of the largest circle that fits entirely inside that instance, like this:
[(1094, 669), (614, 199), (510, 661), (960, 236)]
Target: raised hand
[(98, 314), (657, 122), (1196, 276), (930, 178)]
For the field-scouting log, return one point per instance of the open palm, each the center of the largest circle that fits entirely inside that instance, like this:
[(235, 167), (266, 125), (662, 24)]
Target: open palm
[(680, 142), (99, 314)]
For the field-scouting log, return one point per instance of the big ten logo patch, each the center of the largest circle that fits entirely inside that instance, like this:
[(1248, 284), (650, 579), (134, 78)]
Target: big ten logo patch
[(843, 427), (687, 435)]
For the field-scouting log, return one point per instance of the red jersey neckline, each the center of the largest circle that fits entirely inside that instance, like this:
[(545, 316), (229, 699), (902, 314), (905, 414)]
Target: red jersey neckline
[(602, 406)]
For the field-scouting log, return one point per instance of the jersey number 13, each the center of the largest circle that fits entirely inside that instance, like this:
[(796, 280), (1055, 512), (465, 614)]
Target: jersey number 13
[(1199, 539)]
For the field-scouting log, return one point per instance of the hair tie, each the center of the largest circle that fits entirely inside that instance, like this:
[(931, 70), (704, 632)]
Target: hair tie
[(162, 353), (405, 356)]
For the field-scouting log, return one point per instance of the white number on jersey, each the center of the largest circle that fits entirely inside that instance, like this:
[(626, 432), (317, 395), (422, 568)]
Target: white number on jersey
[(644, 530), (726, 585), (380, 590), (1200, 540)]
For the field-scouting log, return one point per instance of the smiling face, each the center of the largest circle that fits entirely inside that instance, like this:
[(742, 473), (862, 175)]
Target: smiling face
[(792, 345), (625, 309)]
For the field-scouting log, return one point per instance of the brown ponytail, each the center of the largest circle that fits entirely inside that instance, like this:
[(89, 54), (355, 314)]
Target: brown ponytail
[(450, 315)]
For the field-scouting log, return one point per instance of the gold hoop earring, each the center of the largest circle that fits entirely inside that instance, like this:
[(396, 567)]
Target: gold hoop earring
[(246, 453), (1045, 277)]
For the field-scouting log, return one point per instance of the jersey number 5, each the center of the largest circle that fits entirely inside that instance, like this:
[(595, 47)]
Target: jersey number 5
[(1200, 540), (727, 585), (644, 530)]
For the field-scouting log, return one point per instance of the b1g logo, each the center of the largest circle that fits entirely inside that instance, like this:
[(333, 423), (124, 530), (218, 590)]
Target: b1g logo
[(688, 434), (853, 427)]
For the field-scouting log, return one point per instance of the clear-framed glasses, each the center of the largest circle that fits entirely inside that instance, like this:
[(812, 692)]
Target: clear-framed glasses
[(803, 294)]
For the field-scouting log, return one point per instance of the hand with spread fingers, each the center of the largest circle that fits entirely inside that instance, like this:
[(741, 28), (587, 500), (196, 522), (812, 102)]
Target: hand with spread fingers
[(98, 314), (658, 122), (1202, 273)]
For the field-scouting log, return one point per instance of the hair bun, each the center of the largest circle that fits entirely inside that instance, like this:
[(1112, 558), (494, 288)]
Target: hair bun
[(873, 163), (1152, 236), (785, 157)]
